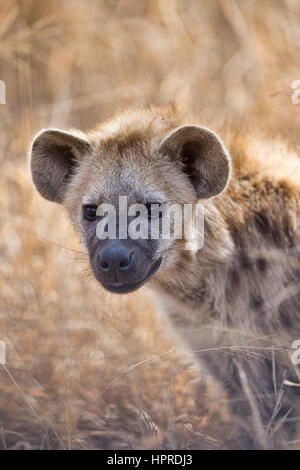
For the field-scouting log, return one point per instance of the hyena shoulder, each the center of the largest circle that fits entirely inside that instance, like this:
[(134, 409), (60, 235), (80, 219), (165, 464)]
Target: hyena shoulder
[(261, 209)]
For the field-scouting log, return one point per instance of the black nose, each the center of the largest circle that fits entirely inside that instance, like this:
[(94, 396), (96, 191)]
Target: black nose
[(115, 258)]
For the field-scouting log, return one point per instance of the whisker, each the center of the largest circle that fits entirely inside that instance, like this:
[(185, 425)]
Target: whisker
[(64, 247)]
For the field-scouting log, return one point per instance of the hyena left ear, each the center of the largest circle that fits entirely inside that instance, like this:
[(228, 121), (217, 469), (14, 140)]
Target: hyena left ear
[(54, 156), (203, 157)]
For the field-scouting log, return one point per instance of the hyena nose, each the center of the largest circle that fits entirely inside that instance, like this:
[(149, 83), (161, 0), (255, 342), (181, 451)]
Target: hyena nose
[(115, 259)]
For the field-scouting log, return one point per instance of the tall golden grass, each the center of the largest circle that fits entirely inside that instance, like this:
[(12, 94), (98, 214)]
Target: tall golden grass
[(84, 369)]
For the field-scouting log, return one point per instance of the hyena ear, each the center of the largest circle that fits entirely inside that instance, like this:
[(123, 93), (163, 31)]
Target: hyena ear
[(54, 157), (203, 157)]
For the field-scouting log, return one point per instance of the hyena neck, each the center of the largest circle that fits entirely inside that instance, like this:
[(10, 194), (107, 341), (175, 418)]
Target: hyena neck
[(189, 282)]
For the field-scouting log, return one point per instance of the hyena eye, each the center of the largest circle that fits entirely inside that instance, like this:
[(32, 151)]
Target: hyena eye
[(154, 211), (90, 212)]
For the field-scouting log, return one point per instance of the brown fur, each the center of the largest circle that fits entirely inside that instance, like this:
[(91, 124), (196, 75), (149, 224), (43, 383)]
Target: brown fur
[(236, 301)]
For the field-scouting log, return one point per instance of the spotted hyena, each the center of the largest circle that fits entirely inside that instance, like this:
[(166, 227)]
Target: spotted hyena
[(236, 300)]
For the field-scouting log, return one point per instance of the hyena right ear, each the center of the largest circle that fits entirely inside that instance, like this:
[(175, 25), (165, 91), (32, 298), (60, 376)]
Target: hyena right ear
[(202, 156), (54, 156)]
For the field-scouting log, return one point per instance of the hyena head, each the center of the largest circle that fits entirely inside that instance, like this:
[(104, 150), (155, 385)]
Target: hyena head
[(145, 156)]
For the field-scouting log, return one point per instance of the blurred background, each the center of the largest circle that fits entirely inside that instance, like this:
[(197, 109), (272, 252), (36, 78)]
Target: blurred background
[(84, 369)]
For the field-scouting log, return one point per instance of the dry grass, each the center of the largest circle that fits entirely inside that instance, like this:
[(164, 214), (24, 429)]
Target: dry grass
[(85, 369)]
